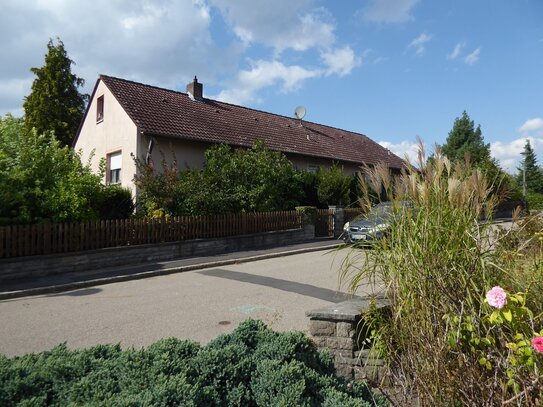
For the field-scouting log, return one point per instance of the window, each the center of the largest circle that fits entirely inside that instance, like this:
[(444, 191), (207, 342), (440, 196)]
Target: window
[(312, 168), (114, 165), (100, 109)]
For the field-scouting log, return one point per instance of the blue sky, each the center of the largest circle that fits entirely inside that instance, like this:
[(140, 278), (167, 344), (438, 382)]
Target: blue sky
[(391, 69)]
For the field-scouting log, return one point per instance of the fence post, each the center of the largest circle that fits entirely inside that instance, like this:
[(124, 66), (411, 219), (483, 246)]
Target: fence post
[(339, 218)]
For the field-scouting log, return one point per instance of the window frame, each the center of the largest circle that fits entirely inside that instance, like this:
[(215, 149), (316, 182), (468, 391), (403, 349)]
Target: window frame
[(117, 179), (100, 109)]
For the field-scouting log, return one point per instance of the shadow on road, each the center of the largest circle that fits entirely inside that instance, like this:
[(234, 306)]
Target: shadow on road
[(77, 293), (283, 285)]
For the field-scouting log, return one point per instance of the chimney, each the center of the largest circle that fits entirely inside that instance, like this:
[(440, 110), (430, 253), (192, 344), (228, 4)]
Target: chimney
[(196, 89)]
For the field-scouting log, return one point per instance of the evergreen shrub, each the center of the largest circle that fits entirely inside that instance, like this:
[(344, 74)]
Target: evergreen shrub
[(252, 366)]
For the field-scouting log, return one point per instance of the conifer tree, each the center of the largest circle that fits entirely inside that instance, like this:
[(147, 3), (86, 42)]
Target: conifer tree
[(465, 138), (534, 173), (55, 103)]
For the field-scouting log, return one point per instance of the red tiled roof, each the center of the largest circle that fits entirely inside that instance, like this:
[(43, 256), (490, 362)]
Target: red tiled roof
[(163, 112)]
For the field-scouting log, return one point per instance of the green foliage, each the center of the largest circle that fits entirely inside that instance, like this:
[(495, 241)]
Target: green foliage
[(309, 182), (242, 180), (437, 263), (535, 200), (333, 187), (55, 104), (309, 213), (252, 366), (533, 173), (115, 202), (42, 181), (465, 139)]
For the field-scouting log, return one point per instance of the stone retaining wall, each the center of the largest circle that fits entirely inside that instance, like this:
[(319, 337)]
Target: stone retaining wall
[(340, 329), (39, 266)]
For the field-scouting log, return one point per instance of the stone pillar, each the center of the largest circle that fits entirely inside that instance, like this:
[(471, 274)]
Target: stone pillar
[(339, 219), (339, 328)]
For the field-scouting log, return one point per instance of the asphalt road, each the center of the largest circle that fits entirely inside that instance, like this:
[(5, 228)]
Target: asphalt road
[(196, 305)]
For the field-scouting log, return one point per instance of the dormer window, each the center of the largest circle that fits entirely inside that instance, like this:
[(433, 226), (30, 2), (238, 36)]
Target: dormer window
[(100, 109)]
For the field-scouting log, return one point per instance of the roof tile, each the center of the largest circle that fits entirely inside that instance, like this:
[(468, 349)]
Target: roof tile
[(164, 112)]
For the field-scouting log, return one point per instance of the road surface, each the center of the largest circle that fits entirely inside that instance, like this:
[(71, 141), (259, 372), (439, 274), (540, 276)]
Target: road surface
[(196, 305)]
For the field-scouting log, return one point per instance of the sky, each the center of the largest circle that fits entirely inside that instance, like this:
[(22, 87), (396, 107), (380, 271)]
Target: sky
[(393, 70)]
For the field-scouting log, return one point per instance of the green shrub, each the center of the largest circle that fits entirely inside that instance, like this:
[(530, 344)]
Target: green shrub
[(232, 181), (115, 202), (333, 187), (252, 366), (309, 214), (535, 201)]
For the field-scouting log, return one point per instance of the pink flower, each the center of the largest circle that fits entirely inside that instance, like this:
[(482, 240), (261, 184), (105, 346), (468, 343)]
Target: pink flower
[(496, 297), (537, 344)]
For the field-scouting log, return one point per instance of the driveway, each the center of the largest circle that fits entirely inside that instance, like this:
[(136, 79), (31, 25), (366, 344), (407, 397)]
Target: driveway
[(197, 305)]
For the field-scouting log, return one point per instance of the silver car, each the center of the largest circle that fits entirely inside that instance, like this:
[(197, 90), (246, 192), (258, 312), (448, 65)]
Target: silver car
[(373, 225)]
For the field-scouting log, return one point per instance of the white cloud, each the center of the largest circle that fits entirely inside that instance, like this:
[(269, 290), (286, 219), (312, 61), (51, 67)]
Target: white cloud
[(245, 86), (532, 125), (340, 61), (389, 11), (509, 153), (472, 58), (162, 42), (167, 42), (456, 51), (404, 149), (419, 43), (281, 24), (263, 74)]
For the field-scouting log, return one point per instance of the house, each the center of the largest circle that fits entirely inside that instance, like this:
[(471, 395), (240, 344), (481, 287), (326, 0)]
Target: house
[(126, 119)]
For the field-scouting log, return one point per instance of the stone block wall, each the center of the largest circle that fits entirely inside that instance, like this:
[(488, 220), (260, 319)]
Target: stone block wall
[(40, 266), (340, 329)]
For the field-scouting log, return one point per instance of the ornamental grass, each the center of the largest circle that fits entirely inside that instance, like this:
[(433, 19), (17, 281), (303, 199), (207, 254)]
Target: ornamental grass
[(465, 294)]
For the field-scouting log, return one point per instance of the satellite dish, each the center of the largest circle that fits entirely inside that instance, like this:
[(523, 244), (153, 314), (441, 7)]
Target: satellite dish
[(299, 112)]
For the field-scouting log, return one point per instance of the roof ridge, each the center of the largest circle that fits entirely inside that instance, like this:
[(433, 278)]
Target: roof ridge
[(141, 84), (232, 104)]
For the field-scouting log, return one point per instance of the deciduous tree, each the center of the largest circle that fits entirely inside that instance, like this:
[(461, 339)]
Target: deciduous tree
[(41, 181)]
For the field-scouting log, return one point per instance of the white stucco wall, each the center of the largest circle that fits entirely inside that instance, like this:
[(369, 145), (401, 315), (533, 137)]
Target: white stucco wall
[(189, 154), (115, 132)]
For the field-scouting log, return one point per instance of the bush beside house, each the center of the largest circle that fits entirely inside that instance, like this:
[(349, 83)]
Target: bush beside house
[(237, 180), (42, 181)]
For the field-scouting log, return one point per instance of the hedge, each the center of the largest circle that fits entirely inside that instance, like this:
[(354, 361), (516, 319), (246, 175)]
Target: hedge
[(252, 366), (535, 200)]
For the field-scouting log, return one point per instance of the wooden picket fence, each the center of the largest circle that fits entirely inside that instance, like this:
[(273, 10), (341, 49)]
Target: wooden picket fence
[(48, 238)]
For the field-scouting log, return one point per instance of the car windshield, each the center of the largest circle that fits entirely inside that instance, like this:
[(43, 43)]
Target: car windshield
[(380, 213)]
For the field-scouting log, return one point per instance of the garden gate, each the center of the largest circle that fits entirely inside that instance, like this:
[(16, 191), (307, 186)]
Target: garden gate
[(324, 223)]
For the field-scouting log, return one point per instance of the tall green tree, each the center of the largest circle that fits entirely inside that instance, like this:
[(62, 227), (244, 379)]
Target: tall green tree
[(55, 103), (465, 138), (534, 173)]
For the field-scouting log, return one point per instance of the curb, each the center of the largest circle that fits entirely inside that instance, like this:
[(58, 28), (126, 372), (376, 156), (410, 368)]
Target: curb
[(153, 273)]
